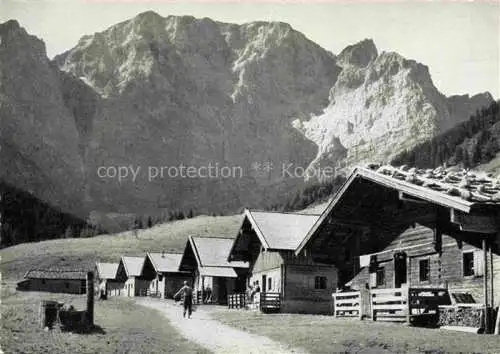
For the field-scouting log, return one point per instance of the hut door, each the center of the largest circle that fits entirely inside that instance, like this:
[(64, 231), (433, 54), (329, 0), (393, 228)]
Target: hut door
[(263, 284), (399, 269)]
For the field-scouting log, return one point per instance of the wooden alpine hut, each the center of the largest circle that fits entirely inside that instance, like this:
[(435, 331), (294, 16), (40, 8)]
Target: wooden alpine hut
[(162, 269), (129, 273), (206, 260), (267, 241), (106, 278), (413, 245)]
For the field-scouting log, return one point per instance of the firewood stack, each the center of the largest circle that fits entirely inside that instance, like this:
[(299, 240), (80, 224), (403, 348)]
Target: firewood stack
[(460, 316)]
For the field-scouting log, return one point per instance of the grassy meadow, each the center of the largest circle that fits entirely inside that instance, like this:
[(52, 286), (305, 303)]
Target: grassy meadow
[(84, 252), (325, 334), (121, 327)]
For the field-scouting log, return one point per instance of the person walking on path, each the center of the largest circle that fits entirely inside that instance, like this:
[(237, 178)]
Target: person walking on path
[(187, 294)]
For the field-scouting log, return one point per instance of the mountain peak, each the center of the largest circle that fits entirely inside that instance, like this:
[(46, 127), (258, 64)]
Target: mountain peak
[(11, 28), (359, 54), (149, 15)]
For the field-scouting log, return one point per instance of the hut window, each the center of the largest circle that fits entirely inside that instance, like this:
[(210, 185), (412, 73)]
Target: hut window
[(269, 283), (424, 267), (380, 276), (66, 285), (468, 265), (319, 282), (43, 281), (472, 264)]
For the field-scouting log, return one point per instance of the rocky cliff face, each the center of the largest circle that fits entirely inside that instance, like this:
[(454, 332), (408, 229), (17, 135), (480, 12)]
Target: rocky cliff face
[(380, 105), (42, 128), (157, 92), (179, 90)]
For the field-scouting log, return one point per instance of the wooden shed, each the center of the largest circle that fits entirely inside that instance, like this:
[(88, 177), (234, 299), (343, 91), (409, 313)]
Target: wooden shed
[(129, 273), (56, 280), (106, 278), (410, 238), (267, 240), (162, 269), (206, 259)]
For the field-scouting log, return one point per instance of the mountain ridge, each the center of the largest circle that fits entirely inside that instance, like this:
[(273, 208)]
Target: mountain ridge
[(161, 91)]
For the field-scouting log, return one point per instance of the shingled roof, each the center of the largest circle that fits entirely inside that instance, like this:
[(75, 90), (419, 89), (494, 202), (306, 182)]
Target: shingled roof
[(280, 231), (213, 252), (473, 186), (106, 270), (68, 274), (165, 262), (452, 187), (133, 265)]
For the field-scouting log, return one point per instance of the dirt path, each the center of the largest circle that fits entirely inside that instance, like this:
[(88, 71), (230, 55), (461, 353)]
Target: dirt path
[(213, 335)]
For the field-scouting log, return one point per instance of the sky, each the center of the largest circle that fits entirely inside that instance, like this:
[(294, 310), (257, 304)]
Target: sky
[(458, 40)]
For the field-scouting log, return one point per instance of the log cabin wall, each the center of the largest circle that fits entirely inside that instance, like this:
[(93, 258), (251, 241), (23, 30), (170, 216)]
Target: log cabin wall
[(308, 285), (113, 287), (267, 260), (69, 286), (425, 265), (309, 288), (268, 264)]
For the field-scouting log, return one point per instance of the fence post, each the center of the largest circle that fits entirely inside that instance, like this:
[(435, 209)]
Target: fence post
[(374, 313), (408, 305), (90, 299)]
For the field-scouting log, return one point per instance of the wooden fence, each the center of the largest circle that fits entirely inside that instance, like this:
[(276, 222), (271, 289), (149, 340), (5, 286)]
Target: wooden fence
[(392, 304), (237, 301), (347, 304), (270, 302), (352, 304), (148, 292), (389, 304)]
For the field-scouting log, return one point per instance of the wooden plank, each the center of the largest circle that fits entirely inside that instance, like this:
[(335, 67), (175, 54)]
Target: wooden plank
[(347, 301), (348, 308), (389, 307), (391, 319), (381, 314), (389, 291), (387, 298), (474, 223), (350, 293), (461, 329)]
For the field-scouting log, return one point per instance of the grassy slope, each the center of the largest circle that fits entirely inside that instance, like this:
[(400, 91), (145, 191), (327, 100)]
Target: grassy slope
[(84, 252), (324, 334), (122, 328), (16, 260)]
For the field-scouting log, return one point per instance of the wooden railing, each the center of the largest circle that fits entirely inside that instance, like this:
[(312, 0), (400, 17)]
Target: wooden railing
[(237, 301), (352, 304), (389, 304), (270, 302), (347, 304), (406, 304), (148, 292)]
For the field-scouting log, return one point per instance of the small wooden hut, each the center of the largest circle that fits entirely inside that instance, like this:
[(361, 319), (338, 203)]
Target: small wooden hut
[(56, 280), (129, 273), (162, 269), (206, 259), (106, 278), (267, 240)]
